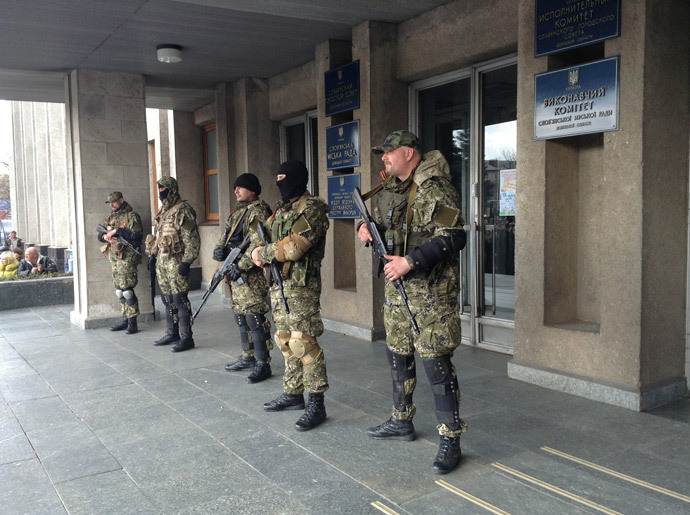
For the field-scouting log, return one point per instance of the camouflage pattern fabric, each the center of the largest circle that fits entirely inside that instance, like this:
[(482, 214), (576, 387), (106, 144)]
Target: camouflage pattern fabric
[(252, 295), (123, 261), (433, 297), (177, 224), (302, 285)]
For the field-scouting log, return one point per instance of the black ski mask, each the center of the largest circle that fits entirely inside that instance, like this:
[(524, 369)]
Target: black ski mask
[(163, 194), (295, 181)]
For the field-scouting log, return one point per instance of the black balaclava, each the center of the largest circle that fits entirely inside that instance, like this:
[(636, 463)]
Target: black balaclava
[(171, 196), (295, 181)]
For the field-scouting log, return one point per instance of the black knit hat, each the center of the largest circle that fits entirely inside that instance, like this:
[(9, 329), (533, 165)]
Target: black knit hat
[(248, 181)]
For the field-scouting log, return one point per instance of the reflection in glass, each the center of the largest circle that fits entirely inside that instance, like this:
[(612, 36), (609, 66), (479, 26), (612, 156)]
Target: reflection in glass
[(499, 124), (444, 115), (212, 150), (213, 193)]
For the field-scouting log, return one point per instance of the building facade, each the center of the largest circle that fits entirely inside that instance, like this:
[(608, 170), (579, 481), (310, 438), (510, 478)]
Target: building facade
[(582, 278)]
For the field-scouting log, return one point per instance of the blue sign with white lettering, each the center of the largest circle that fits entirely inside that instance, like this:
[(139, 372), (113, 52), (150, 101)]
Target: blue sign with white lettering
[(342, 146), (342, 89), (577, 100), (340, 189), (564, 24)]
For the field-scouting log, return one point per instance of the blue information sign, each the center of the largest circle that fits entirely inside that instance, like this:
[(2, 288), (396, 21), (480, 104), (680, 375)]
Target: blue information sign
[(577, 100), (340, 188), (342, 89), (342, 146), (564, 24)]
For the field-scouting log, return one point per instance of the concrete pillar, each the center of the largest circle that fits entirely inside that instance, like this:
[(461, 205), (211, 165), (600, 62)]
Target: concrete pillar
[(18, 179), (610, 206), (107, 128), (353, 304)]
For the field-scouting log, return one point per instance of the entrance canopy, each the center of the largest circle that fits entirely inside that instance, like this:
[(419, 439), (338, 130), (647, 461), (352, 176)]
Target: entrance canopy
[(221, 41)]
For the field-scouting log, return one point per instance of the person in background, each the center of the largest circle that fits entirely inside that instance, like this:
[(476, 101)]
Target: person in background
[(14, 242), (18, 254), (34, 264), (8, 265)]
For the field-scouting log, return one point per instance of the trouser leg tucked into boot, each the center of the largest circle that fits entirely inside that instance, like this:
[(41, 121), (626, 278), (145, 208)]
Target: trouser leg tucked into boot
[(404, 378), (122, 324), (172, 332), (444, 385), (184, 316), (245, 361), (132, 326), (262, 368), (314, 414)]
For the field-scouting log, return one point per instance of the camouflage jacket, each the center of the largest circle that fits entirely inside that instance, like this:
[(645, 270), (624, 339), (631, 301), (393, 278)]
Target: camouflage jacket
[(435, 210), (248, 214), (298, 240), (176, 233), (124, 218)]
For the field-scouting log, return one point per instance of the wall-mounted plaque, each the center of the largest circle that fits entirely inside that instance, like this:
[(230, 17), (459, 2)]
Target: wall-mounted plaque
[(342, 89), (577, 100), (564, 24), (342, 146), (340, 188)]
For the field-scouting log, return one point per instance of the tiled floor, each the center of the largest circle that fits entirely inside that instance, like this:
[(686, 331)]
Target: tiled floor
[(100, 422)]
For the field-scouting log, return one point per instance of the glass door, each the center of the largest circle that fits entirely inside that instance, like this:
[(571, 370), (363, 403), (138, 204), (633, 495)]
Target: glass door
[(471, 117), (298, 140)]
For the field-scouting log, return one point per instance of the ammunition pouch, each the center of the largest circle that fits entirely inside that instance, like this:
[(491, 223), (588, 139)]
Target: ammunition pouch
[(150, 244)]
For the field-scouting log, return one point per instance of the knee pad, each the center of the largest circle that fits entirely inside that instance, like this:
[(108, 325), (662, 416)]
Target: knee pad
[(255, 320), (444, 386), (130, 297), (304, 347), (282, 338), (241, 321), (119, 293)]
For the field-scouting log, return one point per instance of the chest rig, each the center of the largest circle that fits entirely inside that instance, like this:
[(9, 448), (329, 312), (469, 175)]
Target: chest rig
[(117, 250), (282, 224), (168, 239)]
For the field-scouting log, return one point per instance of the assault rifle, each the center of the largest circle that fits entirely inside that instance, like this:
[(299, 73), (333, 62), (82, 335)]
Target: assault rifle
[(152, 283), (102, 231), (380, 250), (275, 272), (223, 269)]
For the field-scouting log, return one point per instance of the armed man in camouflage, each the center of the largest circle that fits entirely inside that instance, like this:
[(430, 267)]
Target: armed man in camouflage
[(418, 212), (248, 284), (125, 223), (298, 235), (172, 249)]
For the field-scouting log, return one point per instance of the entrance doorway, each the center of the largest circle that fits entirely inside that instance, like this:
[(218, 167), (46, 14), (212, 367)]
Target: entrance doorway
[(299, 140), (471, 117)]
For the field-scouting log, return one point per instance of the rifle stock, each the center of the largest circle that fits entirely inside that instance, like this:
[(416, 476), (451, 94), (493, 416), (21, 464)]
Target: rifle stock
[(222, 270), (120, 239), (380, 250), (275, 272)]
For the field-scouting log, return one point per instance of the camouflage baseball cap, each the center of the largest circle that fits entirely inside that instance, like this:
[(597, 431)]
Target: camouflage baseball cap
[(115, 195), (398, 139)]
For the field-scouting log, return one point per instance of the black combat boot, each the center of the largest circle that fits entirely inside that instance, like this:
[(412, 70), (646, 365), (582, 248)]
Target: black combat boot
[(314, 415), (286, 401), (132, 326), (448, 456), (186, 341), (121, 326), (242, 363), (172, 332), (393, 429), (261, 372)]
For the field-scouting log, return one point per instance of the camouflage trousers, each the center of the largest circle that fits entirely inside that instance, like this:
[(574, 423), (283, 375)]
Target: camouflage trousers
[(251, 297), (439, 335), (169, 280), (125, 278), (305, 317)]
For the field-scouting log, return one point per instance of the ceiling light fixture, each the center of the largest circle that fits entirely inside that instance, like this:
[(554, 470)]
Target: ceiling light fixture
[(169, 53)]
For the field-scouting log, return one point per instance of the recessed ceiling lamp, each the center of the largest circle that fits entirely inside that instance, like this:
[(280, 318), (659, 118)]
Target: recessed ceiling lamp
[(169, 53)]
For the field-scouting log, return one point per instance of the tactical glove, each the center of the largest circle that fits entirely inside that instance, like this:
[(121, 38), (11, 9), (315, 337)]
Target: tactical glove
[(183, 269), (235, 272), (219, 253)]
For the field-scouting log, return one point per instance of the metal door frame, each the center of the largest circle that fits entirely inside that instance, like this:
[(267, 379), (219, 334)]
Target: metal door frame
[(474, 223), (306, 119)]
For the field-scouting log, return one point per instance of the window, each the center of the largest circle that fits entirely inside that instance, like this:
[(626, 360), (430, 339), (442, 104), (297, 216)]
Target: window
[(211, 172)]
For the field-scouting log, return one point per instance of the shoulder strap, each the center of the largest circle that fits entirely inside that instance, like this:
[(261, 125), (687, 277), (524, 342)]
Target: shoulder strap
[(237, 223), (410, 200)]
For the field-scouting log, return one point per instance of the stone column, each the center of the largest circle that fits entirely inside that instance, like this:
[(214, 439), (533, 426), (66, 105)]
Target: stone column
[(609, 207), (107, 127)]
